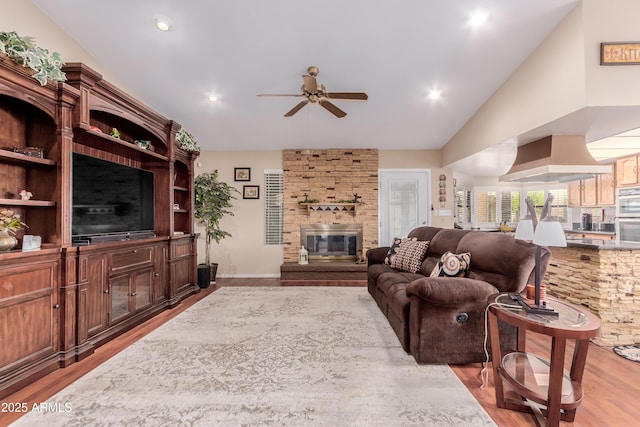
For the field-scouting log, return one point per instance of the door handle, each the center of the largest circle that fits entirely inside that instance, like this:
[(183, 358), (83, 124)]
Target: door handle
[(133, 294)]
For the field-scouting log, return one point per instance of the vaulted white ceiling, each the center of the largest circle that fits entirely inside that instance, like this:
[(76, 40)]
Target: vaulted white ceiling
[(394, 51)]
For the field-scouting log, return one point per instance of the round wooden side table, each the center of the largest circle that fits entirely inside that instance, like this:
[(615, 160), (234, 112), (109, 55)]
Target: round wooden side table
[(545, 390)]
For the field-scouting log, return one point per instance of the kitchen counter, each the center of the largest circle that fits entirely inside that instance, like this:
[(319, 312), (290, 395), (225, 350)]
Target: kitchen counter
[(601, 275), (601, 244), (603, 233)]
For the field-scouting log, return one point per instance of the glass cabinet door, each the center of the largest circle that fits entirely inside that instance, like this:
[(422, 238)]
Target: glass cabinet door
[(143, 281), (120, 303)]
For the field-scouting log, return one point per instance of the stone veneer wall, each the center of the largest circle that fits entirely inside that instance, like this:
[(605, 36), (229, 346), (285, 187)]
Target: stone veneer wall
[(603, 281), (329, 176)]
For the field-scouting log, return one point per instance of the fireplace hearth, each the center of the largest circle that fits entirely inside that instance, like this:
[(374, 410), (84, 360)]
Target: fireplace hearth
[(331, 242)]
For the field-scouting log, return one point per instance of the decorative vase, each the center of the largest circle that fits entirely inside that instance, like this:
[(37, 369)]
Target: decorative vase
[(7, 241)]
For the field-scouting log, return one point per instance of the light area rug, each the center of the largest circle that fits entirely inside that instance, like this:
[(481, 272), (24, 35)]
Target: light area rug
[(267, 356)]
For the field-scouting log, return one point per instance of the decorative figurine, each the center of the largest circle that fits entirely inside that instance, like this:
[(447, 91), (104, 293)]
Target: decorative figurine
[(25, 195)]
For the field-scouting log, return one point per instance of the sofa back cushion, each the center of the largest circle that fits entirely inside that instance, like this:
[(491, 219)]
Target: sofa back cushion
[(424, 233), (499, 259), (445, 240)]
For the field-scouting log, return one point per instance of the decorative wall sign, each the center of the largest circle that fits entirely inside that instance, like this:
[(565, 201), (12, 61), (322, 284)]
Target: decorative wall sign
[(242, 174), (620, 53)]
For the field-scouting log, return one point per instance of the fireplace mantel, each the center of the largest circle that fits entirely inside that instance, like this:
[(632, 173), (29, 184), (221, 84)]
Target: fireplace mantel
[(330, 207)]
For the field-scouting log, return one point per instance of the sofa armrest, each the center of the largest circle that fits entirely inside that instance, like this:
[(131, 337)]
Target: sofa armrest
[(377, 255), (450, 291)]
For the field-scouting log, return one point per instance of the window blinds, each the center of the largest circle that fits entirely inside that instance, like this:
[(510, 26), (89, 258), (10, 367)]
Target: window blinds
[(273, 207)]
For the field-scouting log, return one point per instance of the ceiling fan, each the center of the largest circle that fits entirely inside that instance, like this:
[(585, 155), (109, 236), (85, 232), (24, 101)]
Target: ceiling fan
[(316, 92)]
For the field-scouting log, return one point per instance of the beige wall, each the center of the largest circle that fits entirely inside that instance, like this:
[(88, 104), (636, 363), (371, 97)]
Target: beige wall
[(244, 254), (425, 159), (610, 21), (23, 17), (549, 84), (562, 76)]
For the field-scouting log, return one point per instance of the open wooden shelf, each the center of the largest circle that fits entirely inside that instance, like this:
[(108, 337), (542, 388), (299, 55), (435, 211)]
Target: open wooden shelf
[(11, 157), (27, 203), (120, 142)]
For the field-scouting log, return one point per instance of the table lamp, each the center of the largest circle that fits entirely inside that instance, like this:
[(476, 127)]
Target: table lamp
[(545, 232)]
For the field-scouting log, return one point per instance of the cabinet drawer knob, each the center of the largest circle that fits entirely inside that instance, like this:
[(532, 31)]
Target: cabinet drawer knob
[(106, 291), (134, 294), (56, 306), (135, 251)]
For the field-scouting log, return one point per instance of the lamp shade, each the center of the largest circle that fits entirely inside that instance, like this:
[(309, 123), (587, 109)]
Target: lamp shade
[(524, 230), (549, 233)]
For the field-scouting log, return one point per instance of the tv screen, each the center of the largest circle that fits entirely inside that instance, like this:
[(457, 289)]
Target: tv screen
[(110, 198)]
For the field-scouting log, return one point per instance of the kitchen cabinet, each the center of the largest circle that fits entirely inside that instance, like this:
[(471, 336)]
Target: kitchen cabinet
[(606, 189), (627, 171), (597, 191), (583, 193)]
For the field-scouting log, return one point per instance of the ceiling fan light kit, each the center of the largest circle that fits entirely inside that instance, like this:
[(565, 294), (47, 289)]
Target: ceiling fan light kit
[(315, 92)]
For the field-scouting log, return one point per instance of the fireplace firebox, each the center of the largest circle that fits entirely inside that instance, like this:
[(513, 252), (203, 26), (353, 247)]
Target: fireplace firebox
[(331, 242)]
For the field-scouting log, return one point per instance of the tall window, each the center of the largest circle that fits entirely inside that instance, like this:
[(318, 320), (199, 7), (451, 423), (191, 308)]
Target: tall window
[(537, 198), (273, 207), (486, 205), (559, 207), (510, 206), (463, 205)]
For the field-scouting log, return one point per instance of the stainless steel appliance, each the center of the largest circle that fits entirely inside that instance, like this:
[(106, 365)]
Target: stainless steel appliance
[(628, 213), (587, 222)]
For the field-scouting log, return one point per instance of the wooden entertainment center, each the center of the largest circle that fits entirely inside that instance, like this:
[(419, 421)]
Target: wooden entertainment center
[(59, 303)]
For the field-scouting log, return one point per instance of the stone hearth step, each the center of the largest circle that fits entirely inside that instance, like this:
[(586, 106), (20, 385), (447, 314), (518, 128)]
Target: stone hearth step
[(291, 272)]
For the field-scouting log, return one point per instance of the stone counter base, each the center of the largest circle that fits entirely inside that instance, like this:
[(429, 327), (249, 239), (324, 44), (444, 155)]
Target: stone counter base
[(606, 282)]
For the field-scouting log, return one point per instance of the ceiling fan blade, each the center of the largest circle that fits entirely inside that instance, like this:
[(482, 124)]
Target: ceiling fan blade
[(279, 94), (332, 109), (310, 84), (348, 95), (296, 108)]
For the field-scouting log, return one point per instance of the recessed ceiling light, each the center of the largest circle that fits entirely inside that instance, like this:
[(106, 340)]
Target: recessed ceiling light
[(213, 98), (163, 24), (478, 18), (434, 94)]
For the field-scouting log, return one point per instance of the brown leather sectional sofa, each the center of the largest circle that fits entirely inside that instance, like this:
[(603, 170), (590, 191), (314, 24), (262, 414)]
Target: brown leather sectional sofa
[(441, 319)]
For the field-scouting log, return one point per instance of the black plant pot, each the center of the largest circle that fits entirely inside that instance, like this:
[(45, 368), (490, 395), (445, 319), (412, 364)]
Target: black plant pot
[(203, 276), (213, 268)]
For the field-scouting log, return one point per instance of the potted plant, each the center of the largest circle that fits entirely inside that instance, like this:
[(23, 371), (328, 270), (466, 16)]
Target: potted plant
[(10, 223), (186, 141), (212, 202), (24, 51)]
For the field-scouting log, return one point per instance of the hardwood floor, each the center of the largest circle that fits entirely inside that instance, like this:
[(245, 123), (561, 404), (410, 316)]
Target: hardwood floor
[(611, 383)]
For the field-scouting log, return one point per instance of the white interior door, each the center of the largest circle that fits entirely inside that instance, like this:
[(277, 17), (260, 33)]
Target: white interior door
[(404, 202)]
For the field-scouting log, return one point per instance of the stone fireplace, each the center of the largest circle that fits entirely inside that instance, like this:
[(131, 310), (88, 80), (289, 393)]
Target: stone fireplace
[(330, 177), (331, 242)]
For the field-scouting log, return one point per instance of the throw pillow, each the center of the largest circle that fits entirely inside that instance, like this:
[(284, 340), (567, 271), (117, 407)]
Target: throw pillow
[(452, 265), (410, 255), (394, 248)]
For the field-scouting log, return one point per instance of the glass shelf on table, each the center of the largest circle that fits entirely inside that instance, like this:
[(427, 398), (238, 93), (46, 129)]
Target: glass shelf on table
[(532, 372), (568, 317)]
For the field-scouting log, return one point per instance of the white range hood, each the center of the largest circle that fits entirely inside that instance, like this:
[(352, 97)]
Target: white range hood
[(555, 158)]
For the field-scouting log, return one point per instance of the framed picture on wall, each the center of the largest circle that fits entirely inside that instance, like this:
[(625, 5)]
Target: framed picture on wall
[(242, 174), (250, 191)]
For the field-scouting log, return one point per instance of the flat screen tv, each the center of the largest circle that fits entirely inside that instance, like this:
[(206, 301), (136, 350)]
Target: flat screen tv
[(110, 198)]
